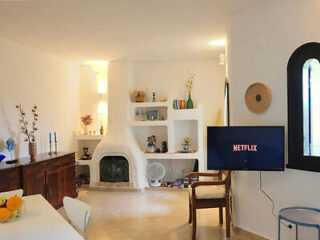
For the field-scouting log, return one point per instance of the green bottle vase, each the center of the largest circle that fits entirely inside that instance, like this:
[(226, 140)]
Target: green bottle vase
[(189, 102)]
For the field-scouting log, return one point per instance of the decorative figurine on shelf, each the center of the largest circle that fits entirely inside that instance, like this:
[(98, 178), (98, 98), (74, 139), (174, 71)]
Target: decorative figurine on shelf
[(176, 104), (182, 104), (86, 155), (139, 95), (151, 143), (186, 145), (101, 130), (189, 85), (30, 134), (86, 120), (153, 96), (153, 115)]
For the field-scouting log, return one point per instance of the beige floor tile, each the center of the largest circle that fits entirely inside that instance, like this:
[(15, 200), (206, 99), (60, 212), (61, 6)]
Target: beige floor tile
[(150, 215)]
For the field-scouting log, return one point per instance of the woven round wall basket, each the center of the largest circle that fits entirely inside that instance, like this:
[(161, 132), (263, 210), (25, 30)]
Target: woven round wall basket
[(258, 97)]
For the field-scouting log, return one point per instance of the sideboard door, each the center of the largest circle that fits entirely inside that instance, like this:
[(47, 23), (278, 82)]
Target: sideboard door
[(54, 180), (69, 181), (35, 184)]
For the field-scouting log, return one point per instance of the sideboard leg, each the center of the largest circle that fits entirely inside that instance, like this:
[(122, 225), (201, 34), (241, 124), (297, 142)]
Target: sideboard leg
[(296, 232)]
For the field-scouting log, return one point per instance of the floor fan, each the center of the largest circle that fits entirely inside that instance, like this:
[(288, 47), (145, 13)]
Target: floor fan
[(156, 172)]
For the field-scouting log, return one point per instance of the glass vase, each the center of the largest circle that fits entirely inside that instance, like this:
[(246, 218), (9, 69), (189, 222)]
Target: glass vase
[(189, 102)]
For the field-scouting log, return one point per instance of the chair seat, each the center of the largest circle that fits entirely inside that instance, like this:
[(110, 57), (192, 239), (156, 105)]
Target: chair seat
[(209, 192)]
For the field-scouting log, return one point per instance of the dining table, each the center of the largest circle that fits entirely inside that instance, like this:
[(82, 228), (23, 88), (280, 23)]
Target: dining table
[(38, 221)]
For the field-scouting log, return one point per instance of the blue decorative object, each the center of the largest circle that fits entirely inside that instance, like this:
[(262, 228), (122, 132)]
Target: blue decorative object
[(2, 157), (11, 145)]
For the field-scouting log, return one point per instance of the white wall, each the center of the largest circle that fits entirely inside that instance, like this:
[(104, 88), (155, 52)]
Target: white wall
[(89, 97), (262, 40), (31, 77), (168, 79)]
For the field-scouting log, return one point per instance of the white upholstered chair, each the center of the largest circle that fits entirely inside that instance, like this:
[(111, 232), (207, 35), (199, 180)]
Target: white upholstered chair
[(78, 213), (9, 194)]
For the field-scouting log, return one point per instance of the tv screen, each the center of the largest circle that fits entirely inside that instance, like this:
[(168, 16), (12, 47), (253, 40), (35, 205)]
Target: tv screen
[(246, 148)]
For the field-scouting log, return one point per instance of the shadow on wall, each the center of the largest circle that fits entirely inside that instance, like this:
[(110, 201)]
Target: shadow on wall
[(12, 134), (219, 118)]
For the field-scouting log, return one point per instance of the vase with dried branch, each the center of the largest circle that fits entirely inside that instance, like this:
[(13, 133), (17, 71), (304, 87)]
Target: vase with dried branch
[(86, 120), (189, 86), (29, 132)]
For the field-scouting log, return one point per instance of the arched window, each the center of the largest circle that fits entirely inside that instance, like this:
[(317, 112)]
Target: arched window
[(311, 107), (304, 108)]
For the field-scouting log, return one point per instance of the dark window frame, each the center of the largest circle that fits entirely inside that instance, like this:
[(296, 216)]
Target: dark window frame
[(297, 160)]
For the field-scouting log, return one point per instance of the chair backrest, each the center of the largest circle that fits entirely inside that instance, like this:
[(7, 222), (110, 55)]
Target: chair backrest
[(9, 194), (78, 212)]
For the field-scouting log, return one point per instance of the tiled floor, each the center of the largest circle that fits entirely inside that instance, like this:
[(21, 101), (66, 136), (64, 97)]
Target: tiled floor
[(150, 215)]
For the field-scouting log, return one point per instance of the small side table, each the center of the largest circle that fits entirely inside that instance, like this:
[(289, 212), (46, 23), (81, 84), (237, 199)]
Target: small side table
[(300, 216)]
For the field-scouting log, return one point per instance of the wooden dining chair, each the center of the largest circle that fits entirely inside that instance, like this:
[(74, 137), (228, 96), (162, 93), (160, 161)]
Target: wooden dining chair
[(209, 194)]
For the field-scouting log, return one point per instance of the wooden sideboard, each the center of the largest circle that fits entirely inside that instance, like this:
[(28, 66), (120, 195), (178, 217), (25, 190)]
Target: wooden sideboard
[(52, 176)]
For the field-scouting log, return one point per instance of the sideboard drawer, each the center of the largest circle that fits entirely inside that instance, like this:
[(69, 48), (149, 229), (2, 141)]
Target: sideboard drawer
[(35, 168), (65, 160)]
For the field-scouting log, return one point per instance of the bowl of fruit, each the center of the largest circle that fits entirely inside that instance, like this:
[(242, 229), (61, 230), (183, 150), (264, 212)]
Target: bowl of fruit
[(10, 208)]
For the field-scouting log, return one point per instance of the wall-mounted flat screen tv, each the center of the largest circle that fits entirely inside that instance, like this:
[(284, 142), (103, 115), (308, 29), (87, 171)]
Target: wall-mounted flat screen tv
[(246, 148)]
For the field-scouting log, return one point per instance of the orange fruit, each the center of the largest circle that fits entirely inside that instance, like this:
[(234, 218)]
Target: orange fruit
[(4, 214), (14, 203)]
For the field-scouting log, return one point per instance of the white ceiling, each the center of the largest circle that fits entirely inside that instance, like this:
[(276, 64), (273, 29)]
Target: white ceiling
[(120, 29)]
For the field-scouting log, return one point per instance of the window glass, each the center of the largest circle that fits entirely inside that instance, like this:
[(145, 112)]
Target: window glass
[(311, 107)]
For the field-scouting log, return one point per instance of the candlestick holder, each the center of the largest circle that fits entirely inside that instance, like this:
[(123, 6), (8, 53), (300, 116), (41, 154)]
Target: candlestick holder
[(55, 148), (50, 152)]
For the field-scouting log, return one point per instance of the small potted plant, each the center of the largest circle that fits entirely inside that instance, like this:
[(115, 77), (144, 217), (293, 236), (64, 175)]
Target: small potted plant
[(86, 120), (29, 133), (186, 145), (151, 143)]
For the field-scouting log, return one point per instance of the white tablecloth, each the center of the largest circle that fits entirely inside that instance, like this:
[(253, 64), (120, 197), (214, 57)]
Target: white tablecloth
[(40, 221)]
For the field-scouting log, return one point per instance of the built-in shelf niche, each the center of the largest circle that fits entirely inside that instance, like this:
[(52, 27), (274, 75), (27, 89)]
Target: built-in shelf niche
[(141, 134), (182, 129), (175, 169)]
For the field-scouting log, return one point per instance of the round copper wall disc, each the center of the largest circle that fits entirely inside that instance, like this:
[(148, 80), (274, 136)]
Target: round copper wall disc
[(258, 97)]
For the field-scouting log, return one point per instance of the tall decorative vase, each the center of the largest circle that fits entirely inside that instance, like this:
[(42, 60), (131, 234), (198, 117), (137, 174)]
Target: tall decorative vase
[(85, 130), (33, 151), (189, 102)]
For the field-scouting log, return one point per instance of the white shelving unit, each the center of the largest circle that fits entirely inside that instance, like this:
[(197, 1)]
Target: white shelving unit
[(90, 141), (177, 124)]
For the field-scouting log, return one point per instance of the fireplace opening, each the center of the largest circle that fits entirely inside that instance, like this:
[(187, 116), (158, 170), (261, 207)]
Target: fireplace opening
[(114, 169)]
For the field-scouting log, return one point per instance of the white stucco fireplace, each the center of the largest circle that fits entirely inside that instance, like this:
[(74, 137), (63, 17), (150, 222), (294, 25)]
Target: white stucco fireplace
[(118, 140)]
